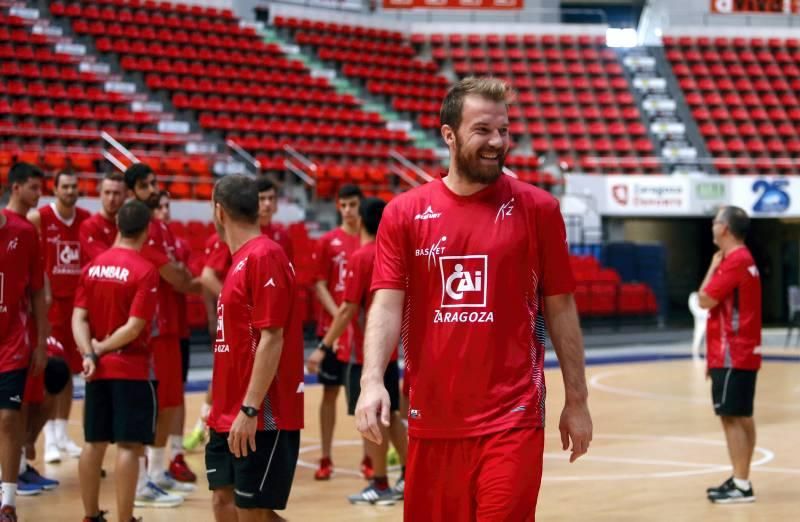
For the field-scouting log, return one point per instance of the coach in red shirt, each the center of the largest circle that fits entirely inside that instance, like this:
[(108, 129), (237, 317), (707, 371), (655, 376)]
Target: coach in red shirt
[(731, 291), (115, 305), (257, 403), (468, 271)]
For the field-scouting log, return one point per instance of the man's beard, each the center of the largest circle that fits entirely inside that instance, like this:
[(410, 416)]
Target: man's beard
[(68, 201), (152, 201), (472, 169)]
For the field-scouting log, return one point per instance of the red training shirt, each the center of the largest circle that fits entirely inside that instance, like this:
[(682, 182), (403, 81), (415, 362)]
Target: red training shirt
[(475, 270), (21, 273), (733, 327), (259, 293), (279, 234), (96, 235), (61, 250), (218, 256)]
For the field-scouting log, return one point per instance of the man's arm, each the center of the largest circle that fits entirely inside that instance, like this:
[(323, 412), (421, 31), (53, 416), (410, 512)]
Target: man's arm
[(706, 301), (562, 323), (210, 281), (343, 316), (39, 356), (325, 297), (265, 366), (381, 338), (177, 275), (121, 337), (83, 340)]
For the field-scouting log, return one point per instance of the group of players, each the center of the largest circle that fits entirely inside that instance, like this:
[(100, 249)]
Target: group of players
[(467, 270)]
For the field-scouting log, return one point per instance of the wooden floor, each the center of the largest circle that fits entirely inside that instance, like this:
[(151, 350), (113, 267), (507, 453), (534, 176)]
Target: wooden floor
[(657, 446)]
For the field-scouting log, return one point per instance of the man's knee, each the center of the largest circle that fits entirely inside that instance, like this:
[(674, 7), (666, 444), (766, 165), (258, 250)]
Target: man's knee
[(222, 499), (10, 422)]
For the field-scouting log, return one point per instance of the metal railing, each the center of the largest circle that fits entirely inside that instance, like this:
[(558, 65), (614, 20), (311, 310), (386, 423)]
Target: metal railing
[(407, 170), (246, 156)]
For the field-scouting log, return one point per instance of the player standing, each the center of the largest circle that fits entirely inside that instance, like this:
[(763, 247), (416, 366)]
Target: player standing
[(114, 308), (22, 299), (468, 271), (59, 225), (331, 259), (731, 291), (267, 207), (257, 409)]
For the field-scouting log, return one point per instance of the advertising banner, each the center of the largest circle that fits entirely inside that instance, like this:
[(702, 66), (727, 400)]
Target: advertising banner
[(453, 4), (755, 6)]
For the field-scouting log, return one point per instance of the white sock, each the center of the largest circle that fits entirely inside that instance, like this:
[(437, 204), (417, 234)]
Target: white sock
[(175, 443), (155, 461), (742, 484), (9, 494), (23, 464), (49, 433), (61, 429), (141, 481)]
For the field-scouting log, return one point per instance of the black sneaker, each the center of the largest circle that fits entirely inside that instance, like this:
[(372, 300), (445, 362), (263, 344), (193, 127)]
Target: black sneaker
[(715, 489), (728, 493)]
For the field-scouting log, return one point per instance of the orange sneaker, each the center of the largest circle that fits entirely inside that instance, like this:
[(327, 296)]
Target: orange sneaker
[(366, 468), (325, 469), (180, 471)]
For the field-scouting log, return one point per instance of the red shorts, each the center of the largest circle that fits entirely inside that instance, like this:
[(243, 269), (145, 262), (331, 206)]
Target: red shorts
[(60, 318), (34, 388), (491, 478), (167, 362)]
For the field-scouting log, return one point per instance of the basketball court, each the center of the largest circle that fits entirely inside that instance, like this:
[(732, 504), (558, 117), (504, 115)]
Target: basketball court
[(657, 446)]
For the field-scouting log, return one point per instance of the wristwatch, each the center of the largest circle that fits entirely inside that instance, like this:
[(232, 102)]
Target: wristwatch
[(91, 356), (249, 411), (324, 347)]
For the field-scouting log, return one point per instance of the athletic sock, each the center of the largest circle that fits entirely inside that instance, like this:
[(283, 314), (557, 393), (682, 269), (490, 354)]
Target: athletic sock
[(49, 433), (402, 472), (23, 464), (9, 494), (142, 479), (381, 483), (175, 443), (155, 461), (60, 429), (742, 484)]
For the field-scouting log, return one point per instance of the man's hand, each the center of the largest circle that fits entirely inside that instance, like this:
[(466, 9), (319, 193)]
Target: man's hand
[(98, 347), (315, 360), (38, 359), (576, 424), (716, 260), (372, 404), (242, 434), (89, 367)]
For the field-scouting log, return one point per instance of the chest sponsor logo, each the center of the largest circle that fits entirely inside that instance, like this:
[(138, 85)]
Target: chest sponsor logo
[(219, 343), (504, 211), (336, 242), (109, 272), (464, 280), (340, 262), (3, 307), (436, 249), (51, 227), (68, 256), (428, 214)]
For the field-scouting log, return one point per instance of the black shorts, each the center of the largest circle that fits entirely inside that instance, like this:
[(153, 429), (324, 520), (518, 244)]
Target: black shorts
[(331, 370), (185, 345), (391, 380), (117, 410), (12, 389), (261, 480), (733, 391)]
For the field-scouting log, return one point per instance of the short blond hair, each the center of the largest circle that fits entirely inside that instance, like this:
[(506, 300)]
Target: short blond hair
[(493, 89)]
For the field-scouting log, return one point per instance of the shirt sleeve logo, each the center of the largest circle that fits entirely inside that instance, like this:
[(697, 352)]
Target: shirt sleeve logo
[(464, 281)]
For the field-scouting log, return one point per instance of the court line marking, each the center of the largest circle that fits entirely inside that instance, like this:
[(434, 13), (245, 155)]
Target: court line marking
[(595, 382)]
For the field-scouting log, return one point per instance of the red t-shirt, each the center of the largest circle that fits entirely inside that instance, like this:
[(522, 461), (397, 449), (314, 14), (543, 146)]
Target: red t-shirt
[(21, 273), (119, 284), (475, 271), (259, 292), (183, 253), (357, 290), (333, 250), (160, 250), (96, 235), (218, 256), (54, 348), (279, 234), (61, 249), (733, 327)]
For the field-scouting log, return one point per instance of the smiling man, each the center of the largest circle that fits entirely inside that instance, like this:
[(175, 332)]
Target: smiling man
[(473, 266)]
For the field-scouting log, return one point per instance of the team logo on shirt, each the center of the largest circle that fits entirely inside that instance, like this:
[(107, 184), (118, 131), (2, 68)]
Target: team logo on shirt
[(753, 269), (340, 261), (436, 249), (219, 343), (12, 245), (3, 308), (428, 214), (68, 256), (463, 280)]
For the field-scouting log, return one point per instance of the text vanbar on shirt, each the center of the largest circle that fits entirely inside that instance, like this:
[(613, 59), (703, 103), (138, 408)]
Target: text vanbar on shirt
[(475, 270)]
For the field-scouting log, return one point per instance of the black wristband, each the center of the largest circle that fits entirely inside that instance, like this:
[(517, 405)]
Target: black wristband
[(324, 347), (92, 356)]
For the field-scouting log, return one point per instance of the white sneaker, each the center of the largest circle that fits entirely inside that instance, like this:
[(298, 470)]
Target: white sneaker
[(169, 484), (69, 447), (52, 455), (153, 496)]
